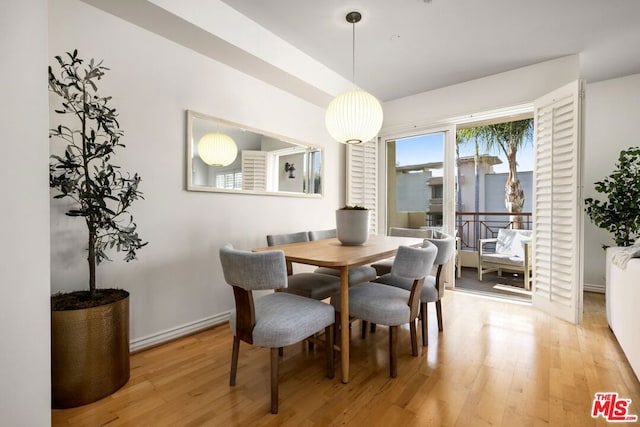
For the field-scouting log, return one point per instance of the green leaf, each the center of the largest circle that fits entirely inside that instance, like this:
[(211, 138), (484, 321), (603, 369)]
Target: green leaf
[(85, 172)]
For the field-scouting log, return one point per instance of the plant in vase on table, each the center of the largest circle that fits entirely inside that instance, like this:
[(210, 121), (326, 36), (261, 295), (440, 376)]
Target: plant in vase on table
[(352, 225), (90, 328)]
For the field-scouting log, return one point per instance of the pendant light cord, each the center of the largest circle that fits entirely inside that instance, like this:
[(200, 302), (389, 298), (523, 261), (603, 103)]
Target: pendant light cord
[(353, 18), (353, 50)]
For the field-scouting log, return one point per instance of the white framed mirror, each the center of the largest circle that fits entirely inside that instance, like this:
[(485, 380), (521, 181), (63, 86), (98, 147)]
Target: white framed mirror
[(265, 163)]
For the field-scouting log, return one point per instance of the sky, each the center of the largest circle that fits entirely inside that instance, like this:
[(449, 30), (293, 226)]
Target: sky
[(429, 148)]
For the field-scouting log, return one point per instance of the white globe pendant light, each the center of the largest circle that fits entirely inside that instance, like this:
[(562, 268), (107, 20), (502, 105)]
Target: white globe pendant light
[(217, 149), (355, 116)]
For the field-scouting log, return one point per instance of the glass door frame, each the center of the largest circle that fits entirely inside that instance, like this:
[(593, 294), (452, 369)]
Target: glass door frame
[(448, 178)]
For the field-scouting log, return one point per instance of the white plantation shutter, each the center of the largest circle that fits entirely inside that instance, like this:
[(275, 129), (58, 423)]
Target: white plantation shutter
[(254, 170), (557, 204), (362, 178)]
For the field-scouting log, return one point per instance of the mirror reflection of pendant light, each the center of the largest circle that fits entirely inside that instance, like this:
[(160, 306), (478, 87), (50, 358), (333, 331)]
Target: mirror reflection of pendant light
[(217, 149), (355, 116)]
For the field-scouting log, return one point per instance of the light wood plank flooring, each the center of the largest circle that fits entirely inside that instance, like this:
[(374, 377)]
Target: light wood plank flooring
[(496, 363)]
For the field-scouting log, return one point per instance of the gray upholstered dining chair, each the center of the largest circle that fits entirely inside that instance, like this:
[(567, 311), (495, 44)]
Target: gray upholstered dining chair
[(433, 289), (360, 274), (274, 320), (391, 306), (311, 285), (384, 266)]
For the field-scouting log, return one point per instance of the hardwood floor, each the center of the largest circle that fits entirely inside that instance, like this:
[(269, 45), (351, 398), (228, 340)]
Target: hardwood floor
[(496, 363)]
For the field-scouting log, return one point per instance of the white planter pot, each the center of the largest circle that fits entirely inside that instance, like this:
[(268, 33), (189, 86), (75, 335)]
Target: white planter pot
[(352, 226), (622, 297)]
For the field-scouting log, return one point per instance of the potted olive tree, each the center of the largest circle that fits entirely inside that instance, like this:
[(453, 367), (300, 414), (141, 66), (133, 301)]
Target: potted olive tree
[(90, 328), (619, 214)]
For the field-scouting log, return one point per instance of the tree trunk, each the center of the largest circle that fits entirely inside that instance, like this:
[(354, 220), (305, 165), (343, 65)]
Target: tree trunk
[(513, 194), (91, 259), (458, 192), (476, 228)]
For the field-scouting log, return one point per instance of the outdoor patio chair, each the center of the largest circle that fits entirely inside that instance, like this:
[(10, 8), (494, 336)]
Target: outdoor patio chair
[(512, 253)]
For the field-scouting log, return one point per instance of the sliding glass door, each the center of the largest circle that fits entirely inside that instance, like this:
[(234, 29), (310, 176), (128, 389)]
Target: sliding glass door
[(420, 182)]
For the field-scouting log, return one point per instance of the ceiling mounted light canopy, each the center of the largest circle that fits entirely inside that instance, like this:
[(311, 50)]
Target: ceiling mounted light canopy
[(355, 116), (217, 149)]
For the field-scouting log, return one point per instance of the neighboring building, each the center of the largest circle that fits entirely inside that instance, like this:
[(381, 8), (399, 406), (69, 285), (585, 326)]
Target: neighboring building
[(420, 188), (466, 182), (412, 182)]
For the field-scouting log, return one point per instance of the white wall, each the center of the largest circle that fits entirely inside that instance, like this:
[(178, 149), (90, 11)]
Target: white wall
[(612, 113), (502, 90), (177, 282), (25, 396)]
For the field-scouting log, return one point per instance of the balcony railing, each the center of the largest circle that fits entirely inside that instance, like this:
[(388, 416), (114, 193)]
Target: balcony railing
[(471, 226)]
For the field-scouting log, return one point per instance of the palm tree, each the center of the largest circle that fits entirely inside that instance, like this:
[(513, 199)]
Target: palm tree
[(508, 138)]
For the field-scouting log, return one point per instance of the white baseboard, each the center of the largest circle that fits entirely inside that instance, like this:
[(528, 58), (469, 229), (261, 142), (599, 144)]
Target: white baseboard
[(177, 332), (588, 287)]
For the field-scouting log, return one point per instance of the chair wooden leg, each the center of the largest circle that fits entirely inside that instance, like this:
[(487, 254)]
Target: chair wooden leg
[(414, 338), (439, 314), (234, 360), (363, 331), (274, 380), (423, 319), (393, 351), (331, 365), (281, 351)]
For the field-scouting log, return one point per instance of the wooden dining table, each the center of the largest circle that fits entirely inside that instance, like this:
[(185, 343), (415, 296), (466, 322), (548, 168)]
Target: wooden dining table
[(332, 253)]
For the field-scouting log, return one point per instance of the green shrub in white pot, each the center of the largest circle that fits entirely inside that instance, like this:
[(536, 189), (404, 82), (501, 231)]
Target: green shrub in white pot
[(620, 212)]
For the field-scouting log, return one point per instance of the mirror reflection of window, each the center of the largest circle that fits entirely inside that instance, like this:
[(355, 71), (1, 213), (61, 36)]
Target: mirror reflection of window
[(315, 166), (232, 180)]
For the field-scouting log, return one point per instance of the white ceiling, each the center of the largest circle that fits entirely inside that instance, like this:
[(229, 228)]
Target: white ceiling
[(404, 47)]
